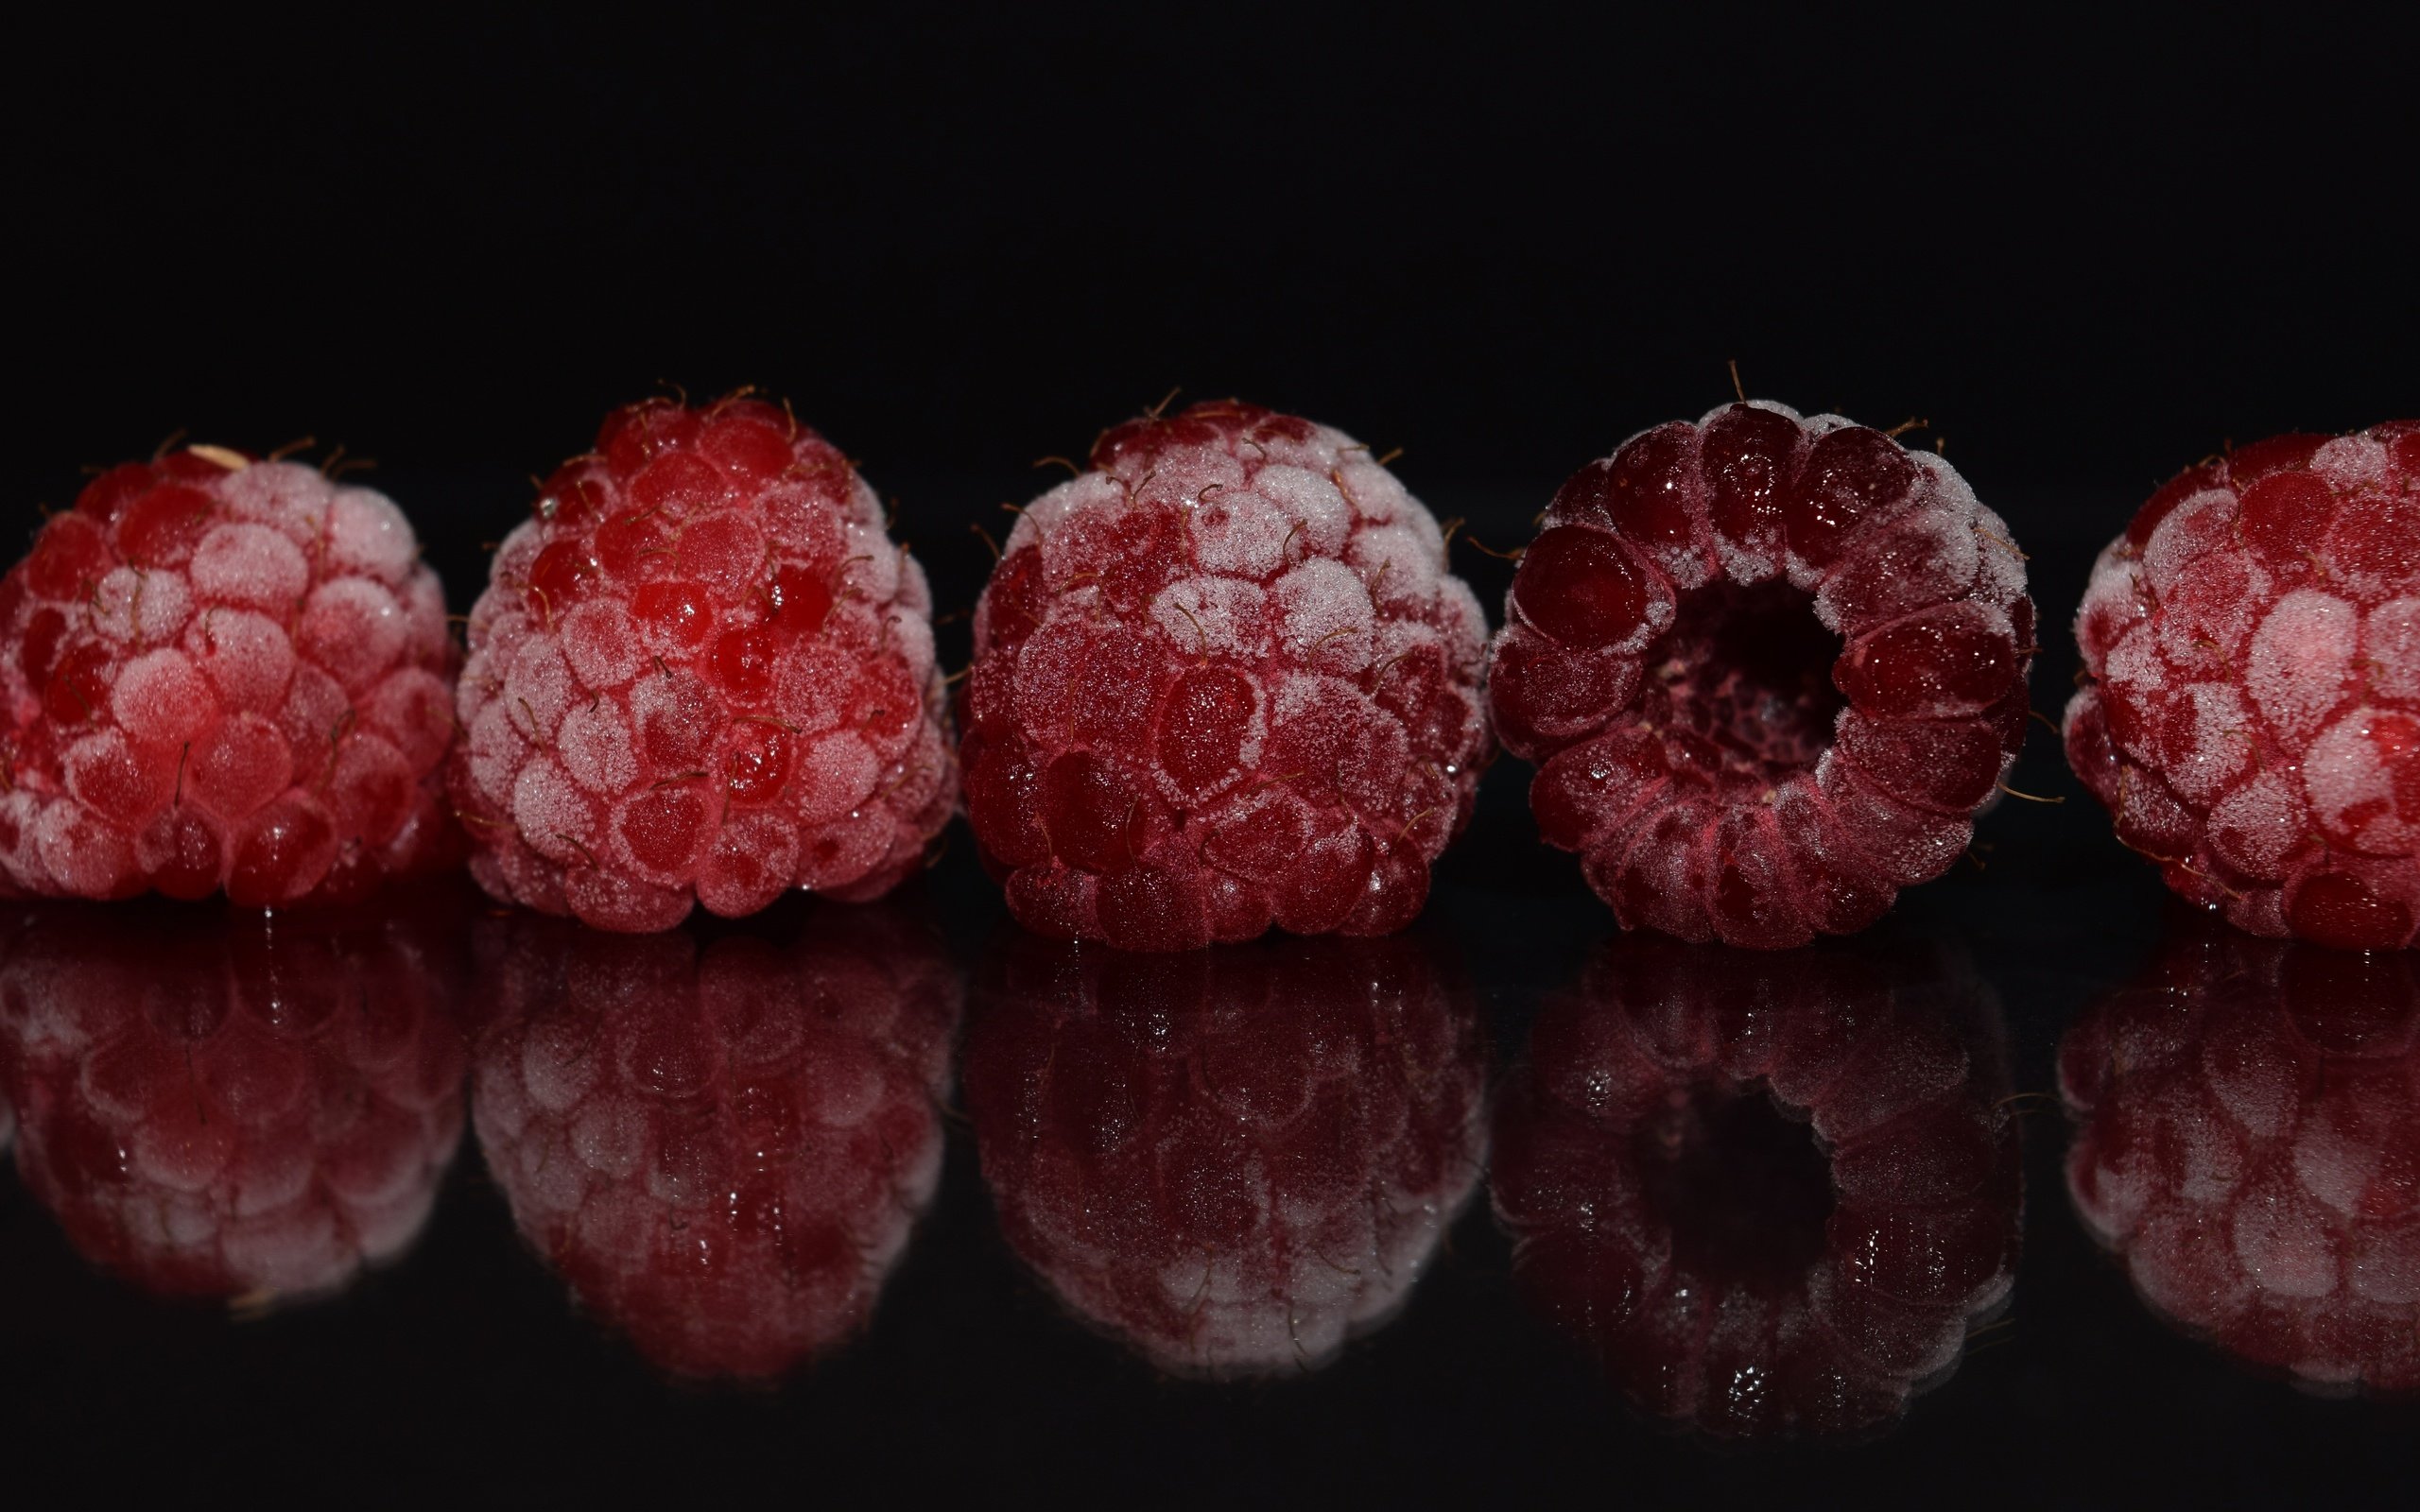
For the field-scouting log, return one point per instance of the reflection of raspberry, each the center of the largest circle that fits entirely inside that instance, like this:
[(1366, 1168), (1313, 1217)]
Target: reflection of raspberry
[(221, 673), (721, 1151), (2250, 1145), (2251, 713), (701, 672), (1221, 680), (240, 1107), (1234, 1161), (1673, 654), (1734, 1271)]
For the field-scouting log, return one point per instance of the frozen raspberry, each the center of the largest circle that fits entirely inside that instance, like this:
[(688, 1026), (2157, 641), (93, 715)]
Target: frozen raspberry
[(222, 673), (228, 1105), (701, 672), (2250, 711), (1224, 680), (1233, 1161), (1773, 1194), (1771, 668), (2249, 1145), (722, 1149)]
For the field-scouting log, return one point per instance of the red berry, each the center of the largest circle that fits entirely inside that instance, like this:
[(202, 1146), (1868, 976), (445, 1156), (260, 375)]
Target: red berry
[(701, 674), (2250, 708), (720, 1150), (2249, 1145), (1237, 1160), (1771, 1193), (237, 1108), (218, 674), (1222, 680), (1771, 669)]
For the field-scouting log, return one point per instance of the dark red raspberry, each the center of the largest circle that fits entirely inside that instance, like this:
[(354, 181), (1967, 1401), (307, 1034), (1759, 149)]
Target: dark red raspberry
[(701, 672), (2250, 708), (719, 1147), (216, 673), (1771, 668), (1771, 1193), (1235, 1161), (2249, 1145), (237, 1107), (1221, 680)]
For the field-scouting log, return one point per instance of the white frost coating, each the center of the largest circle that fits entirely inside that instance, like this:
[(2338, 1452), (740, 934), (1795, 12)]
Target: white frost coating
[(836, 775), (2253, 827), (1311, 498), (596, 748), (250, 564), (2301, 657), (538, 690), (2223, 743), (601, 645), (608, 1134), (2391, 647), (1398, 566), (247, 657), (354, 629), (496, 750), (2283, 1246), (2334, 1165), (1376, 495), (291, 496), (1039, 520), (555, 818), (876, 575), (1326, 606), (2384, 1266), (2345, 771), (367, 534), (2201, 524), (1214, 616), (2353, 463), (1772, 404), (1242, 535), (161, 698), (2109, 593), (134, 607), (2133, 667), (1998, 563)]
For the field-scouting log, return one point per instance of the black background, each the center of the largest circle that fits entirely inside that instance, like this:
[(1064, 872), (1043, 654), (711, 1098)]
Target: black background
[(2087, 251)]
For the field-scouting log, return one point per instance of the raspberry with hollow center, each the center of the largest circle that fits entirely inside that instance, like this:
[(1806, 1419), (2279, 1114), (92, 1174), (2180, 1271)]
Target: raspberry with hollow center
[(220, 674), (2248, 1143), (721, 1149), (1772, 669), (700, 673), (242, 1109), (1222, 680), (1236, 1161), (2251, 708), (1771, 1193)]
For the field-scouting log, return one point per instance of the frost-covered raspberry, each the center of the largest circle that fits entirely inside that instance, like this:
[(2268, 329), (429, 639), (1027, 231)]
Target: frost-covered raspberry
[(1221, 680), (1771, 1193), (720, 1150), (1237, 1160), (218, 674), (703, 673), (2251, 708), (236, 1108), (2249, 1144), (1771, 668)]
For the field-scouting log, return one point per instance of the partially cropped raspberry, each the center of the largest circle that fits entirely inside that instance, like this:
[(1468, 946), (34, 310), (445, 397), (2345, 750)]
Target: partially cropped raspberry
[(1771, 668), (720, 1148), (233, 1106), (1771, 1193), (1222, 680), (1237, 1160), (2250, 711), (700, 673), (220, 674), (2249, 1145)]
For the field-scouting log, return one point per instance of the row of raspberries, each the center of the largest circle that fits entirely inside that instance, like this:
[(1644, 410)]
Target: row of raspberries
[(1770, 666)]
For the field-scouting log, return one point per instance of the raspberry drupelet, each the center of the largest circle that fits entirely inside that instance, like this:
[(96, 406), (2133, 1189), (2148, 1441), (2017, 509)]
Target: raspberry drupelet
[(1771, 667), (222, 673), (1224, 680), (2250, 711), (700, 673)]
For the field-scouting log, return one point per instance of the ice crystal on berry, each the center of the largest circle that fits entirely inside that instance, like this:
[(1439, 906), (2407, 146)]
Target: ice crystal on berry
[(700, 673), (1224, 680)]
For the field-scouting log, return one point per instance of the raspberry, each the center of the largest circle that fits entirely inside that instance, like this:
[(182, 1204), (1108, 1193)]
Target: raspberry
[(222, 673), (1673, 658), (2249, 1145), (1221, 680), (1234, 1161), (239, 1109), (701, 672), (2250, 713), (720, 1150), (1773, 1194)]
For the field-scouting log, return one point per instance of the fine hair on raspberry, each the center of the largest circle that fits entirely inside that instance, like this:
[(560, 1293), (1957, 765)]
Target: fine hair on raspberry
[(701, 672), (1771, 668), (2250, 709), (1224, 680), (221, 673)]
